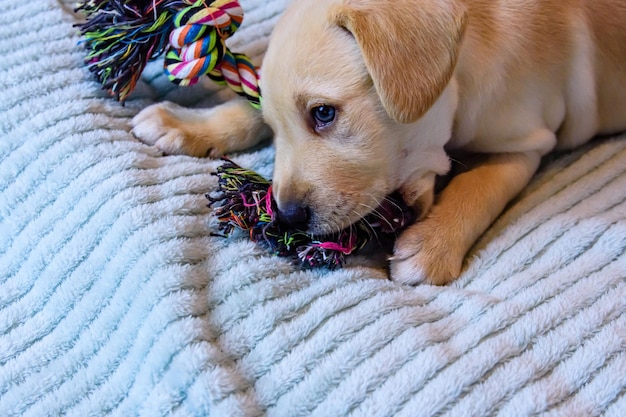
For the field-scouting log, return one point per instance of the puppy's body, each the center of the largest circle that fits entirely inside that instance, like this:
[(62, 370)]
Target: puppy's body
[(406, 81), (542, 74)]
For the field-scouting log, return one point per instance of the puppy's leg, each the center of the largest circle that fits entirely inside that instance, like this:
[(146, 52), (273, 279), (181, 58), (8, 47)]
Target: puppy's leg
[(432, 250), (230, 127)]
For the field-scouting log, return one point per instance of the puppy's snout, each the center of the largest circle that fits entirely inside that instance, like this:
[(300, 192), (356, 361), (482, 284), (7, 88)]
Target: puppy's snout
[(294, 214)]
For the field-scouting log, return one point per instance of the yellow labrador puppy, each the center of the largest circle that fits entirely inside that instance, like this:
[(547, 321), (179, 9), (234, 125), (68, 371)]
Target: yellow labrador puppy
[(365, 97)]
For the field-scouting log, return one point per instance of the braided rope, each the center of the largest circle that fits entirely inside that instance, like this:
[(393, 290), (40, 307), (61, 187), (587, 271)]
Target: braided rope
[(197, 47)]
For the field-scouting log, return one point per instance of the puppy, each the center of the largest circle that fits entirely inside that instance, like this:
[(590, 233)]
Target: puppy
[(366, 97)]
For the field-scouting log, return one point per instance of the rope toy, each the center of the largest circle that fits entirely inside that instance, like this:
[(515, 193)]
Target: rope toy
[(244, 201), (123, 35)]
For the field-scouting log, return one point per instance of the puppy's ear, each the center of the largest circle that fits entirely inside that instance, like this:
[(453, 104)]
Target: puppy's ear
[(410, 49)]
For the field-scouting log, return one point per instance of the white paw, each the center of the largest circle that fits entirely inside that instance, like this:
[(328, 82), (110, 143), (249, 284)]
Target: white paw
[(425, 254), (175, 130)]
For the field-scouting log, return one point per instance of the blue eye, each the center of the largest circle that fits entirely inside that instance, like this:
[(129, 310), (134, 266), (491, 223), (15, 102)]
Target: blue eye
[(323, 115)]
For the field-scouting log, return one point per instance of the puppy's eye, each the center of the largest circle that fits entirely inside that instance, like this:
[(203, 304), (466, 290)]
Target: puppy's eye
[(323, 115)]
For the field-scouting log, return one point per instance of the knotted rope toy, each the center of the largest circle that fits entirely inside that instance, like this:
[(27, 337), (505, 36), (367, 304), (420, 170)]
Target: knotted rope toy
[(244, 201), (123, 35)]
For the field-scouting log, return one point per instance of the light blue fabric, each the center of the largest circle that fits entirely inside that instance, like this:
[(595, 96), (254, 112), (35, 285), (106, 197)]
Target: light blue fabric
[(116, 300)]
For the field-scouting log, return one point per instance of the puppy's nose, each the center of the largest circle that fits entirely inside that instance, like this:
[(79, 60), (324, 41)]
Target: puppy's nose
[(294, 214)]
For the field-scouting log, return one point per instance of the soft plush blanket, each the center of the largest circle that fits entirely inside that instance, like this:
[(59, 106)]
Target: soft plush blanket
[(116, 300)]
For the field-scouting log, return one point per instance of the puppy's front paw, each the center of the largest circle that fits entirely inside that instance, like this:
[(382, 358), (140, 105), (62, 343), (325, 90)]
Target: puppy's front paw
[(174, 130), (425, 253)]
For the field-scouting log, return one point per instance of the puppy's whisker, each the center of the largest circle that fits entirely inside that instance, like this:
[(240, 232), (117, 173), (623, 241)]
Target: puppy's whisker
[(370, 226), (377, 214), (458, 162), (336, 225), (393, 203)]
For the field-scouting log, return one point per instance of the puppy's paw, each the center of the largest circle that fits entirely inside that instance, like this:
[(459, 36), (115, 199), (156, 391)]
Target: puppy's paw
[(176, 130), (425, 254)]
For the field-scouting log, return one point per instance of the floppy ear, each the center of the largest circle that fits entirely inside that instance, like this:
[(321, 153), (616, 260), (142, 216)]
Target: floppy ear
[(410, 49)]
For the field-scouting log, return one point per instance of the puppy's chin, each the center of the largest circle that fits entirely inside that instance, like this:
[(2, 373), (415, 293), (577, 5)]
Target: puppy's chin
[(390, 214), (336, 214), (324, 224)]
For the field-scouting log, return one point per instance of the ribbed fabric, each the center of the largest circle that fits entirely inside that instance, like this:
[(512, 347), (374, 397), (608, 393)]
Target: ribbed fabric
[(116, 300)]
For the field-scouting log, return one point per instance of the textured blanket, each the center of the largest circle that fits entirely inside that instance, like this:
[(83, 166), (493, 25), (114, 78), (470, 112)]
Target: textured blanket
[(116, 300)]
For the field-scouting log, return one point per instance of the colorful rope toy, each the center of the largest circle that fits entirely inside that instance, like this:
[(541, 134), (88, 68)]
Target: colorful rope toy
[(123, 35), (244, 201)]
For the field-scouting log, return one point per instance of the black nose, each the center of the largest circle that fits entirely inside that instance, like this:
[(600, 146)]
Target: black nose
[(293, 214)]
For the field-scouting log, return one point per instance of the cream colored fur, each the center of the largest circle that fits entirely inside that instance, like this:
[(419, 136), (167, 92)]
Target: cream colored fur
[(412, 81)]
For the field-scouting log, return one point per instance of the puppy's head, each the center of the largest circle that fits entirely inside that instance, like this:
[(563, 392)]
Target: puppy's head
[(355, 92)]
